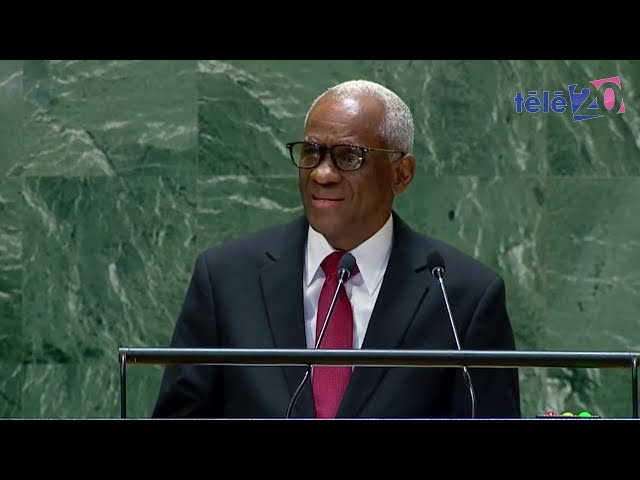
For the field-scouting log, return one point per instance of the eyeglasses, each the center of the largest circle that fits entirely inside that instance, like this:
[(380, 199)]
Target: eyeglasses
[(346, 158)]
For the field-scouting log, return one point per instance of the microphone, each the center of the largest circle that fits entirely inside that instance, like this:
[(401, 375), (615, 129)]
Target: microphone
[(345, 269), (436, 266)]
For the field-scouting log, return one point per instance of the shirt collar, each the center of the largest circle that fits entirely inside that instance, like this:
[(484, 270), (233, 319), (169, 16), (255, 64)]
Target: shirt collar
[(371, 256)]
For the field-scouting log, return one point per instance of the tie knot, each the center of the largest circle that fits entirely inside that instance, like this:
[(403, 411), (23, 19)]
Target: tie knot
[(330, 264)]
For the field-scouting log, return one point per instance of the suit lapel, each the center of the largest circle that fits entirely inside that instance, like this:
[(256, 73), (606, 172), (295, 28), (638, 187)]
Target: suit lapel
[(281, 280), (405, 283)]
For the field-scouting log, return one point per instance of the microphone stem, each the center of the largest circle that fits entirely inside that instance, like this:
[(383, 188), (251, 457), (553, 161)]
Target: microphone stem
[(446, 301), (465, 372), (330, 311), (341, 278), (467, 378), (297, 392)]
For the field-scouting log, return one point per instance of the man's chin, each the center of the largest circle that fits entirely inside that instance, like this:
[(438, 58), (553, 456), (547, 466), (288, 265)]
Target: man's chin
[(327, 225)]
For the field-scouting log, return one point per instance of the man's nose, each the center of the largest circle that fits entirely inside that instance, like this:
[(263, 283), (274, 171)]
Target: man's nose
[(326, 171)]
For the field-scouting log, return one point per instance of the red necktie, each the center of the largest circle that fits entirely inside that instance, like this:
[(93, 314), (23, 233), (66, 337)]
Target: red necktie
[(329, 382)]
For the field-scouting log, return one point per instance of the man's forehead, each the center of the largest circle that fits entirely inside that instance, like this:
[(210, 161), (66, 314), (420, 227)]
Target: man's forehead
[(346, 109), (350, 102), (351, 119), (350, 105)]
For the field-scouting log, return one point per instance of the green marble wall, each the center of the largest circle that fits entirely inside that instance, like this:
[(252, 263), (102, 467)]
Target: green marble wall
[(113, 175)]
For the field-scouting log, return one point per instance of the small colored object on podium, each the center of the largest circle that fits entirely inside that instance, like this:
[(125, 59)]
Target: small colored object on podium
[(567, 414)]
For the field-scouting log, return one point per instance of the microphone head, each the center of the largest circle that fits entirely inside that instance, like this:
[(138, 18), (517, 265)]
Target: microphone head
[(435, 263), (346, 265)]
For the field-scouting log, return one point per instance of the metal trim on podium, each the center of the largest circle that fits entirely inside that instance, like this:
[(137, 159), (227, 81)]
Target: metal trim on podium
[(377, 358)]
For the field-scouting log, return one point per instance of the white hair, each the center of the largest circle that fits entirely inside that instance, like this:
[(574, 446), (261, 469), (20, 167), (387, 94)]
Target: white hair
[(397, 123)]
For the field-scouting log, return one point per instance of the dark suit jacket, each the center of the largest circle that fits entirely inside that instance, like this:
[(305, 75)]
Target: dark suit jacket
[(248, 293)]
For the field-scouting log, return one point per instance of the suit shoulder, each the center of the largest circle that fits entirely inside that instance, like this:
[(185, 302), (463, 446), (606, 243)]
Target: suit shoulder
[(251, 245), (459, 263)]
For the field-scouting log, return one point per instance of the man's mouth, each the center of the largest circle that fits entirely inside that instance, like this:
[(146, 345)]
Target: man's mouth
[(322, 201), (330, 199)]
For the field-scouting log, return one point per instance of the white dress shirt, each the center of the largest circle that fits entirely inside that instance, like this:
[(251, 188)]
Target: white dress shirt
[(362, 289)]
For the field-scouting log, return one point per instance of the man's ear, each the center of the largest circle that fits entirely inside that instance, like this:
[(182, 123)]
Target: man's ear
[(403, 171)]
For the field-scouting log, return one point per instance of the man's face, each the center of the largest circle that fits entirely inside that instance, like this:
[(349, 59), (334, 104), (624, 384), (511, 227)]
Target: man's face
[(348, 207)]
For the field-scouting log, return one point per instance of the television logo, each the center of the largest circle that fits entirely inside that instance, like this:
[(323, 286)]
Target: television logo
[(585, 103)]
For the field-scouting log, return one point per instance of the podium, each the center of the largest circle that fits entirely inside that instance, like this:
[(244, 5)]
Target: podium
[(378, 358)]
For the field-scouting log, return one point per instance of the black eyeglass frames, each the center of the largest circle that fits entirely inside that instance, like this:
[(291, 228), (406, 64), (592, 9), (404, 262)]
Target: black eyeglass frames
[(345, 157)]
